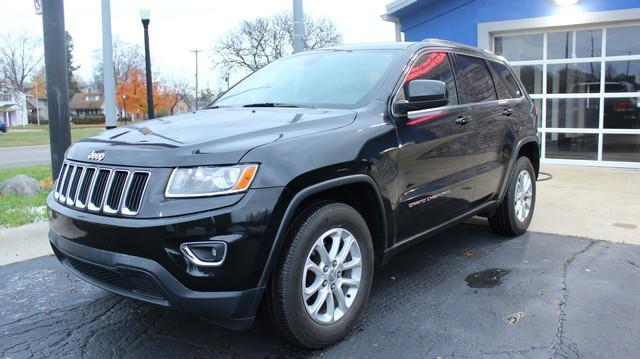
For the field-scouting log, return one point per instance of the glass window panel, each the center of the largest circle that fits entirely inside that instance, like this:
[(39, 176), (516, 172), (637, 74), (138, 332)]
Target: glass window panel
[(573, 78), (473, 79), (623, 41), (531, 77), (560, 45), (573, 113), (589, 43), (622, 113), (622, 76), (519, 47), (625, 148), (571, 146)]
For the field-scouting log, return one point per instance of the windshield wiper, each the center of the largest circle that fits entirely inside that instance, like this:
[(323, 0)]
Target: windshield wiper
[(273, 104)]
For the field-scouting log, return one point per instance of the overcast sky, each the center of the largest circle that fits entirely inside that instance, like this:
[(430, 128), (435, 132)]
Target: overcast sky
[(179, 26)]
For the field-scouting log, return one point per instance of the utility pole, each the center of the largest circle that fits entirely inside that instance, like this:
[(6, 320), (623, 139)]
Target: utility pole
[(37, 106), (55, 61), (196, 52), (109, 82), (298, 26)]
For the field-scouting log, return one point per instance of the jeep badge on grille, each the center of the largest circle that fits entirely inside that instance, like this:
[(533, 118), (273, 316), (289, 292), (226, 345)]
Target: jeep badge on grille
[(96, 156)]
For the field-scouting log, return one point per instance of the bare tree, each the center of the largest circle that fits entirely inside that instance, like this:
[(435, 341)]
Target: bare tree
[(172, 91), (126, 57), (256, 43), (20, 56)]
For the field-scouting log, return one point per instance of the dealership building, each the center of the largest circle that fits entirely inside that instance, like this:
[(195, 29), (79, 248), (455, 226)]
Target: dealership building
[(578, 59)]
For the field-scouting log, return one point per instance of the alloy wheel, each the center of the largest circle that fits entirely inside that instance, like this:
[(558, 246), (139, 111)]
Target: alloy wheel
[(523, 195), (331, 277)]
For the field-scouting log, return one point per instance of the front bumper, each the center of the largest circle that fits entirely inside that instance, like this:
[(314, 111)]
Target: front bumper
[(140, 258), (146, 280)]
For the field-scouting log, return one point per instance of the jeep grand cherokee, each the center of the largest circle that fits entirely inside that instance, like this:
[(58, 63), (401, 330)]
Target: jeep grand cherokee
[(287, 190)]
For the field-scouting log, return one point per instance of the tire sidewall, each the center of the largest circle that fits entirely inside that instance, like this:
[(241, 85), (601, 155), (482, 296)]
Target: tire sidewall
[(522, 164), (339, 216)]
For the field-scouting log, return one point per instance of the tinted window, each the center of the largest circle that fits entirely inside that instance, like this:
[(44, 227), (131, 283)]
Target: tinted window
[(474, 81), (506, 85), (432, 66)]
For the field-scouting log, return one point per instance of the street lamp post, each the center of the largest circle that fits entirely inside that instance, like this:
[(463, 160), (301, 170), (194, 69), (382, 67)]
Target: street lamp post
[(144, 17), (124, 109)]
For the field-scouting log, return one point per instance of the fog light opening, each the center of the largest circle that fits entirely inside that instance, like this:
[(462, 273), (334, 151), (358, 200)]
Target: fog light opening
[(205, 254)]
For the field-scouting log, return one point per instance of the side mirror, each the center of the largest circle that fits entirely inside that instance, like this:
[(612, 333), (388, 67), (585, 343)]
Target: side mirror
[(422, 95)]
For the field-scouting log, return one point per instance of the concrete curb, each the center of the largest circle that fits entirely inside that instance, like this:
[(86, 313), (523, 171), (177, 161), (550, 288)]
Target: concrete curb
[(24, 242)]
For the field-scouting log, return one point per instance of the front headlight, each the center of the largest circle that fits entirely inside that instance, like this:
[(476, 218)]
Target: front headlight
[(210, 181)]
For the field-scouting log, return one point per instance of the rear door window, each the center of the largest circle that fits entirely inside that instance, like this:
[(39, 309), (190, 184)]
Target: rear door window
[(474, 80), (506, 84), (432, 66)]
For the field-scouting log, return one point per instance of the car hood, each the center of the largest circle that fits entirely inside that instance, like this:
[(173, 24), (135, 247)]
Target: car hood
[(214, 136)]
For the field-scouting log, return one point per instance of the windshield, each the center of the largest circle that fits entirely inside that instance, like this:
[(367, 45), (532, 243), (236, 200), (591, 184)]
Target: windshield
[(318, 79)]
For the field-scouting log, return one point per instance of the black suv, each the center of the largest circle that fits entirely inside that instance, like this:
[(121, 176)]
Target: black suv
[(288, 190)]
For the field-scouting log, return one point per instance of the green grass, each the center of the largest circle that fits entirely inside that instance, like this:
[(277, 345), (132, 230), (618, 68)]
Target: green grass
[(18, 210), (34, 135)]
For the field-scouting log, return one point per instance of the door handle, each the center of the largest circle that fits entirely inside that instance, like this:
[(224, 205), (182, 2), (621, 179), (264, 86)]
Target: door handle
[(507, 112), (462, 120)]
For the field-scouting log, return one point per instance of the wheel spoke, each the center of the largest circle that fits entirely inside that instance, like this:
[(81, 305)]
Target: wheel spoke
[(322, 297), (354, 262), (310, 290), (350, 282), (322, 251), (339, 294), (335, 244), (312, 267), (345, 249), (331, 306)]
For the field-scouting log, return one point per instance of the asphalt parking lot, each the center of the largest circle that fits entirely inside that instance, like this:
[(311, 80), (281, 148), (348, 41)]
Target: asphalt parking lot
[(538, 296)]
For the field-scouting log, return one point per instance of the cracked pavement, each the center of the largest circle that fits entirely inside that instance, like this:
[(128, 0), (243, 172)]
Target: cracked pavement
[(563, 297)]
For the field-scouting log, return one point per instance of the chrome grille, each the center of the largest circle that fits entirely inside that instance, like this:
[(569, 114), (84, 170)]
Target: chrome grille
[(101, 189), (135, 192)]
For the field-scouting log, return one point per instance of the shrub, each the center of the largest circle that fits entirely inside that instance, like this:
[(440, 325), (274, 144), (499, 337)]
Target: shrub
[(88, 120)]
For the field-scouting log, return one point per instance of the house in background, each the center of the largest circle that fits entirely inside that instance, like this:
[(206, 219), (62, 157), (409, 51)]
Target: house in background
[(13, 108), (86, 104), (578, 59), (37, 108)]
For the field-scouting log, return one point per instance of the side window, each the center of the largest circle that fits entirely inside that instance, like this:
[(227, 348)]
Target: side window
[(505, 82), (432, 66), (474, 80)]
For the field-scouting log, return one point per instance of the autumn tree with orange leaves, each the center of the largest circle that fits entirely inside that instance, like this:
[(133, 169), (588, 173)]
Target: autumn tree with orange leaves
[(166, 95)]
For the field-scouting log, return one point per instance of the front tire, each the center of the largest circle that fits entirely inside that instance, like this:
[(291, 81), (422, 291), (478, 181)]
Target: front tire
[(514, 215), (322, 282)]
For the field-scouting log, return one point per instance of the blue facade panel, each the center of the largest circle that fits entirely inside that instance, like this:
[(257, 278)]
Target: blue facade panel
[(457, 20)]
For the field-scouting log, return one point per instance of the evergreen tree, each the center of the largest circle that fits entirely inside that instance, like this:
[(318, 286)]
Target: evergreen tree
[(73, 84)]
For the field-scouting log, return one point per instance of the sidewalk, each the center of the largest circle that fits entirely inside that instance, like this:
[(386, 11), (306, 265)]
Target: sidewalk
[(595, 203), (590, 202), (24, 242)]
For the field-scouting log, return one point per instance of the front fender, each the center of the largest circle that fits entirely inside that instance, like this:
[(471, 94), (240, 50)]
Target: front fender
[(294, 205)]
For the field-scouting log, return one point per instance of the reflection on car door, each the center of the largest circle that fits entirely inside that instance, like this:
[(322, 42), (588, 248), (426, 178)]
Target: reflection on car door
[(490, 121), (435, 165)]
